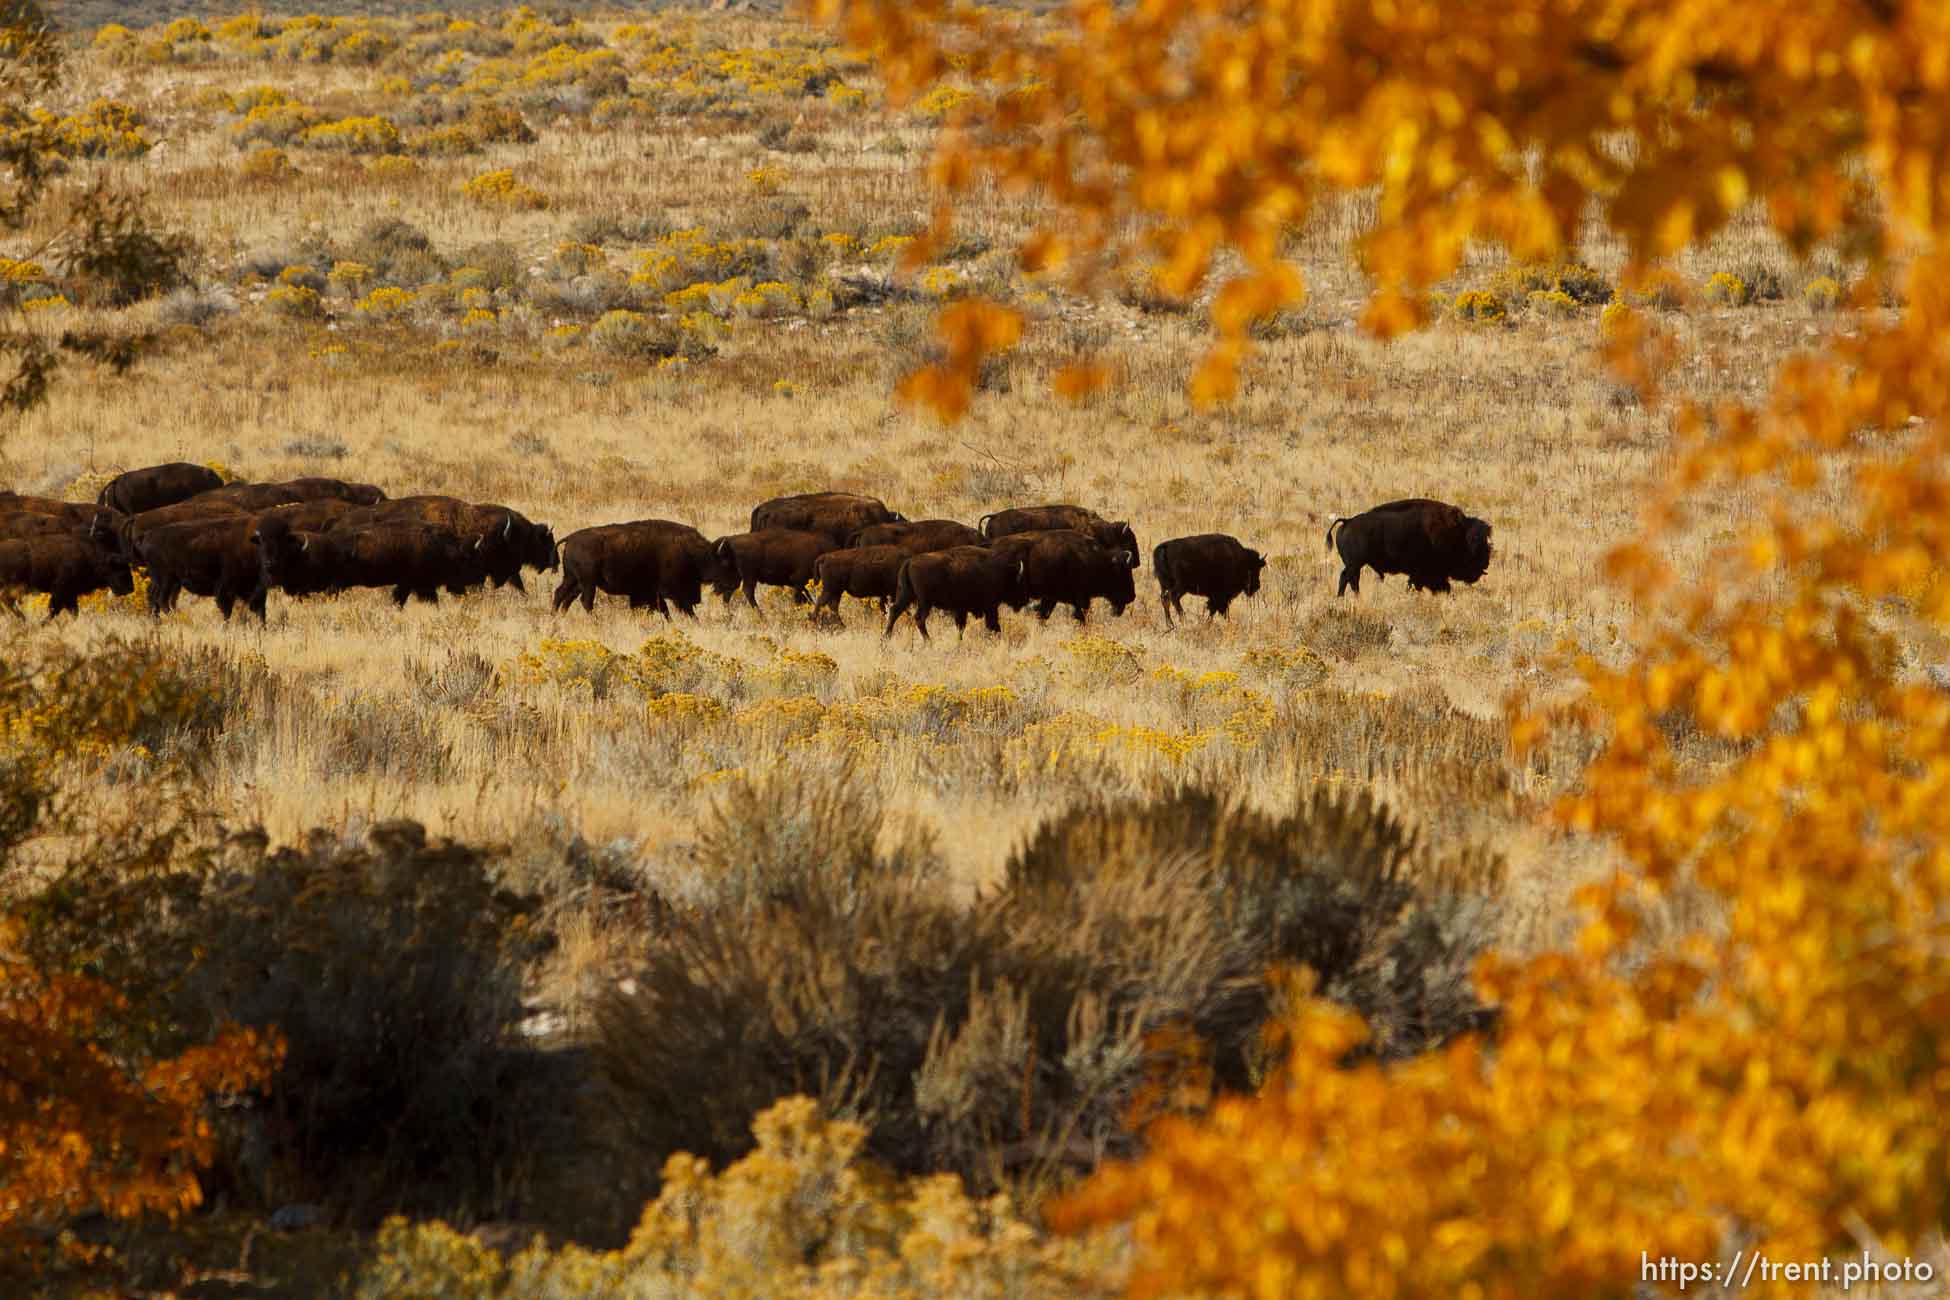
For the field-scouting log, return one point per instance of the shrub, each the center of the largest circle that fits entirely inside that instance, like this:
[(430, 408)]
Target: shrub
[(399, 252), (267, 166), (197, 307), (353, 135), (501, 189), (631, 334), (1727, 289), (1551, 302), (1823, 293), (803, 1216), (298, 301), (385, 303), (393, 971), (1009, 1039), (1477, 305)]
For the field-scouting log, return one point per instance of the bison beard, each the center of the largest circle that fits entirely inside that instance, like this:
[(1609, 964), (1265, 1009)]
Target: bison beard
[(964, 580), (1212, 565), (1430, 541)]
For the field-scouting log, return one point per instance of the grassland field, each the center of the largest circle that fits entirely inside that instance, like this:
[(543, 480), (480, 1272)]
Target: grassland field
[(624, 263), (679, 298)]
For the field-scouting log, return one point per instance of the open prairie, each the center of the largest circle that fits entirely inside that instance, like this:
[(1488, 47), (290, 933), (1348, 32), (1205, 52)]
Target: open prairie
[(627, 266)]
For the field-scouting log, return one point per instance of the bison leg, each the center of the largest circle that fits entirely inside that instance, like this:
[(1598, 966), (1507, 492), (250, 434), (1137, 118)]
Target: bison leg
[(751, 593), (1164, 600), (1044, 608), (514, 580), (921, 612), (429, 594), (961, 621), (1218, 605), (565, 594), (991, 619), (1081, 611), (799, 596), (1350, 581), (225, 602), (400, 594), (64, 601)]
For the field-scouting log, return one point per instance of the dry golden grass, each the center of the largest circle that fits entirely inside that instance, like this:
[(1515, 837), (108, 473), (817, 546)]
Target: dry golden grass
[(362, 712)]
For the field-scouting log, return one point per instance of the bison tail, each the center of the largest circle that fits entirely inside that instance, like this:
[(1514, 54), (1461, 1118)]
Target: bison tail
[(1330, 532), (1161, 564)]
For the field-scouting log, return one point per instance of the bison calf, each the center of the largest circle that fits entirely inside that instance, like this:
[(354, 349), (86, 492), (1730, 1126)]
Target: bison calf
[(1212, 565), (963, 580), (1430, 541), (66, 568)]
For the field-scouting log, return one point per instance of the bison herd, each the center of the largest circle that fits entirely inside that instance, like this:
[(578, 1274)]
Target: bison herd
[(235, 543)]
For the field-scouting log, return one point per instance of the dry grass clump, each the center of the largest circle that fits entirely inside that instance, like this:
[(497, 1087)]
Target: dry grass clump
[(1010, 1038)]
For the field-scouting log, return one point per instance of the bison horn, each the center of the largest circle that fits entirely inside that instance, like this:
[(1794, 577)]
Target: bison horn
[(304, 544), (508, 528), (1020, 566)]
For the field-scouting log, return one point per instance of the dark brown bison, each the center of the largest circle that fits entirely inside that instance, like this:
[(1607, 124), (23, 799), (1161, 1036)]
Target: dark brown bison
[(654, 562), (1067, 567), (921, 535), (509, 540), (248, 496), (131, 529), (963, 580), (18, 527), (205, 557), (1432, 542), (869, 572), (837, 514), (1031, 519), (81, 514), (66, 568), (320, 516), (320, 489), (158, 485), (415, 560), (772, 557), (1212, 565)]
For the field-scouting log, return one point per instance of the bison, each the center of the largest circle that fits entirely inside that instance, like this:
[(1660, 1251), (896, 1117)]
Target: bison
[(129, 530), (65, 567), (869, 572), (79, 514), (1430, 541), (509, 540), (205, 557), (1031, 519), (915, 538), (415, 560), (250, 496), (22, 526), (1067, 567), (839, 515), (158, 485), (963, 580), (654, 562), (776, 557), (321, 489), (1212, 565)]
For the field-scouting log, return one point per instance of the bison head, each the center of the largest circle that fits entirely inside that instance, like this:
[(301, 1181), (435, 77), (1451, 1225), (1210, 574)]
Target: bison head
[(1255, 562), (120, 580), (1472, 560)]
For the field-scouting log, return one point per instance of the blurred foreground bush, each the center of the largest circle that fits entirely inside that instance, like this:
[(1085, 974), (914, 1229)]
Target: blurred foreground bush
[(803, 1215), (1121, 968)]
